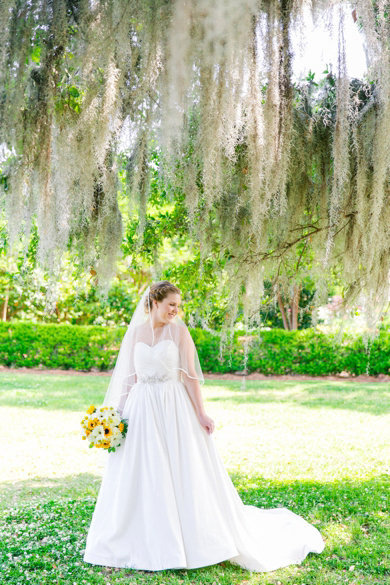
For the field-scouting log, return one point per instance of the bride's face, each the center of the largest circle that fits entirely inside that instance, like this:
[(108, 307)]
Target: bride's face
[(167, 309)]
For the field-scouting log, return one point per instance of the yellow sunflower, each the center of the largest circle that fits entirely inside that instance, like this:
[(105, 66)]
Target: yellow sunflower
[(107, 431), (91, 409)]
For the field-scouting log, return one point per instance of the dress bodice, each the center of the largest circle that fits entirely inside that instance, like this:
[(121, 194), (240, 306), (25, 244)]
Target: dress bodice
[(158, 363)]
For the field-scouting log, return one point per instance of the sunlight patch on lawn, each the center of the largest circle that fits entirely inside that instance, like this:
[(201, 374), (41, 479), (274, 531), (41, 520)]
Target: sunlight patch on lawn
[(48, 445), (336, 534)]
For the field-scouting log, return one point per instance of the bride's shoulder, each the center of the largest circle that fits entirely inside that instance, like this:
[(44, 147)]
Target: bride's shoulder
[(182, 331), (136, 331)]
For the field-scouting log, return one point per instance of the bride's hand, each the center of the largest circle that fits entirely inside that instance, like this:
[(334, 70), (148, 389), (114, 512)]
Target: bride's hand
[(207, 423)]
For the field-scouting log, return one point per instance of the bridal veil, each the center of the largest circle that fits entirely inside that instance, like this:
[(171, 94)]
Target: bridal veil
[(140, 330)]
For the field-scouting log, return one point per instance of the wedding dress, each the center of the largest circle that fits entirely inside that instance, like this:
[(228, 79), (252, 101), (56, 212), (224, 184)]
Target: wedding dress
[(166, 500)]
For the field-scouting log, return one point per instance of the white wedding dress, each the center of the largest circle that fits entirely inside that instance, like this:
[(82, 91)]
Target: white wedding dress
[(166, 500)]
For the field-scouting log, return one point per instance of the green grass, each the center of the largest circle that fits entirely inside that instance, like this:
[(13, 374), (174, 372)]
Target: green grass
[(319, 448)]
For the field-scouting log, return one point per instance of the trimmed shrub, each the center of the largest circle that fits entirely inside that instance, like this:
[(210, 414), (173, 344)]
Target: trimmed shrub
[(84, 348), (78, 347)]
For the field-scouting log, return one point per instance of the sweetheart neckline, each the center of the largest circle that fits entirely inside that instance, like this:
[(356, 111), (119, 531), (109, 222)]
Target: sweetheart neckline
[(151, 346)]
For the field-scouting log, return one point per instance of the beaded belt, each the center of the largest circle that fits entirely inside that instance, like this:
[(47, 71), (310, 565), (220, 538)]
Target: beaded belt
[(153, 378)]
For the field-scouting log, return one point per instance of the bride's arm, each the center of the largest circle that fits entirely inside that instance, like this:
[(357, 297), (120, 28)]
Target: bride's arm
[(194, 392), (191, 381)]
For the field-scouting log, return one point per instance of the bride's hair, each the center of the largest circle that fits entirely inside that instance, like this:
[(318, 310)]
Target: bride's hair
[(159, 291)]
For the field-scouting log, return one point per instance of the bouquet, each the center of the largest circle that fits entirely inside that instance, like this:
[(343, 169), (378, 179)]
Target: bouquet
[(103, 427)]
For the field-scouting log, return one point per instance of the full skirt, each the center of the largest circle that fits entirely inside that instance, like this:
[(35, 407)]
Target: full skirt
[(166, 500)]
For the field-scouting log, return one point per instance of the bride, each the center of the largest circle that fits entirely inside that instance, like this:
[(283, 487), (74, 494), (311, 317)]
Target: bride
[(166, 500)]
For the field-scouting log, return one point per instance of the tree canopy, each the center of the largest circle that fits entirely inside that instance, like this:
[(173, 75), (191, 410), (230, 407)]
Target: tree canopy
[(197, 99)]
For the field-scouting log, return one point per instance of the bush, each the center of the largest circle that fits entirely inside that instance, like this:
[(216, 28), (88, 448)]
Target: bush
[(82, 348), (315, 354)]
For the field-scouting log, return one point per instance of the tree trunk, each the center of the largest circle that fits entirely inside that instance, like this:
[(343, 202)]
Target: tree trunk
[(281, 307), (295, 306)]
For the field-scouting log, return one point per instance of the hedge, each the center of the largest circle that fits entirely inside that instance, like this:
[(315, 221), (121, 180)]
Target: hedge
[(78, 347), (301, 352), (87, 348)]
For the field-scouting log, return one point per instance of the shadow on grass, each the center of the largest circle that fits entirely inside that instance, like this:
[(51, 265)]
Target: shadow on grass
[(334, 499), (351, 516), (47, 488), (370, 398)]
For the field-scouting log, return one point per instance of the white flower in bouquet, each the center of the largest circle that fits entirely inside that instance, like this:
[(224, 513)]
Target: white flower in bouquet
[(116, 441), (98, 432)]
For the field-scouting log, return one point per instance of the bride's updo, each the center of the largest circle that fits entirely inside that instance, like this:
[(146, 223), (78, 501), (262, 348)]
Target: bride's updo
[(159, 291)]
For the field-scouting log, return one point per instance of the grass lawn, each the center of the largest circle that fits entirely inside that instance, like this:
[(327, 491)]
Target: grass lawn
[(319, 448)]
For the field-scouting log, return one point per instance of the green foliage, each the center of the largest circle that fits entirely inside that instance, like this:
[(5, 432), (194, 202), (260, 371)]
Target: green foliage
[(77, 300), (278, 352), (270, 311), (274, 352), (272, 180), (59, 346), (45, 540), (316, 354), (376, 357)]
